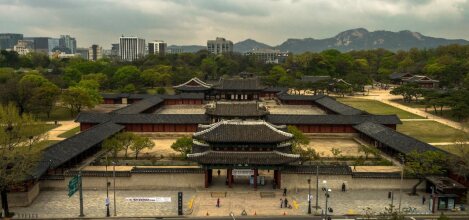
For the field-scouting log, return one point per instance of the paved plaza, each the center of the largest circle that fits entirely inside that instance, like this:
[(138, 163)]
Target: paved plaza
[(53, 204)]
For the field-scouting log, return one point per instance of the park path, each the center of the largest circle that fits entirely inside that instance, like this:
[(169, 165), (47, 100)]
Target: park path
[(385, 97), (63, 127)]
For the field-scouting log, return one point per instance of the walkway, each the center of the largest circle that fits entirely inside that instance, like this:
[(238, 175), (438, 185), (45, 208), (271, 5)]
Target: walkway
[(63, 127)]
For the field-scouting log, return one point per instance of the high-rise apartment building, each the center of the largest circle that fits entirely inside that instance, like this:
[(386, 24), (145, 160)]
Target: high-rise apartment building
[(131, 48), (157, 47), (67, 44), (95, 52), (8, 40), (219, 45), (268, 55)]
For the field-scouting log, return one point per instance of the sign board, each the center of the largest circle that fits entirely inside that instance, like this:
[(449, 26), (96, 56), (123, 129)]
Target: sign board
[(73, 185), (180, 208), (148, 199), (243, 172)]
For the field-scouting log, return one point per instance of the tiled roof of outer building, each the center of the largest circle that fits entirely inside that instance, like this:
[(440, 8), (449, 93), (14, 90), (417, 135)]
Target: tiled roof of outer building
[(331, 119), (286, 96), (239, 84), (315, 79), (322, 169), (140, 106), (337, 107), (393, 139), (243, 157), (65, 150), (237, 109), (92, 117), (235, 131)]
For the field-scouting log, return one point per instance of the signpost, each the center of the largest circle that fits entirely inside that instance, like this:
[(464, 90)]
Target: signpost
[(75, 185), (180, 211)]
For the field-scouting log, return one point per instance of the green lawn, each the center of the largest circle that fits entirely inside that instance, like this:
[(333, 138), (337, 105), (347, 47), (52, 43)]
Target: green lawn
[(453, 148), (69, 133), (44, 144), (57, 114), (429, 131), (41, 128), (376, 107), (446, 113)]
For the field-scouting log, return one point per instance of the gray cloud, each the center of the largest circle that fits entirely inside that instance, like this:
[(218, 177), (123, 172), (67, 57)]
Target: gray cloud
[(195, 21)]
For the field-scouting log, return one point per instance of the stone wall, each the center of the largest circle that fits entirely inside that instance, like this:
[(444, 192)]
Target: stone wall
[(300, 181), (135, 181), (16, 199)]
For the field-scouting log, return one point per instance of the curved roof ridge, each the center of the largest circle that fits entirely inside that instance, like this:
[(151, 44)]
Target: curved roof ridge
[(197, 80)]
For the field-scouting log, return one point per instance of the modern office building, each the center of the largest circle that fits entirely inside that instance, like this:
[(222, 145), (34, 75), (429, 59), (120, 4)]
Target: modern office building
[(24, 47), (219, 45), (114, 50), (53, 44), (175, 50), (67, 44), (9, 40), (95, 52), (41, 44), (157, 47), (131, 48), (83, 53), (268, 55)]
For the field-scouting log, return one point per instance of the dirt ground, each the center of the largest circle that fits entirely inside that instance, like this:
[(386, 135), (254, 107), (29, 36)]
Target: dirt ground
[(162, 147), (323, 146), (181, 109), (295, 110)]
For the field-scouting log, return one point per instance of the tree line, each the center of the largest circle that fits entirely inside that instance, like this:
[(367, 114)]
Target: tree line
[(448, 64)]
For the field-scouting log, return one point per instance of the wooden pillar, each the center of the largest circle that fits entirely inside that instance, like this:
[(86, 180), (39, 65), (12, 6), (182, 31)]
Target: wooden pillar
[(279, 179), (230, 177), (255, 178), (210, 176), (206, 178)]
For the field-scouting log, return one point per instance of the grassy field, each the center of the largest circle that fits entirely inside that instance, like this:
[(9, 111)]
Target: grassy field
[(57, 114), (69, 133), (453, 148), (376, 107), (429, 131), (44, 144), (446, 113)]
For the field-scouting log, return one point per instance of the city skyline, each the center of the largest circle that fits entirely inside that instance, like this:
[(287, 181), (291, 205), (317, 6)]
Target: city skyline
[(194, 22)]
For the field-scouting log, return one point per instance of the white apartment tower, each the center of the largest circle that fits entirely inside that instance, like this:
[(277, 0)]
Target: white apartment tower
[(219, 45), (157, 47), (131, 48), (95, 52)]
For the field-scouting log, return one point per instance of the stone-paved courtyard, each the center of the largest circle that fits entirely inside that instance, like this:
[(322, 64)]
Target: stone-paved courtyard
[(53, 204)]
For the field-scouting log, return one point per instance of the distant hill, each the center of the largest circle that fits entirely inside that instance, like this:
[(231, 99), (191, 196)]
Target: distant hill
[(354, 39), (248, 44), (362, 39)]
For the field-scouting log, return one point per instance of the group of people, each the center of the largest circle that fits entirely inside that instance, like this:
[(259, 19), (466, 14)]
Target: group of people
[(284, 202)]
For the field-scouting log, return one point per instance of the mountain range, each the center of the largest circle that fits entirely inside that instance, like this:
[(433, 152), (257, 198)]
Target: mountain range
[(354, 39)]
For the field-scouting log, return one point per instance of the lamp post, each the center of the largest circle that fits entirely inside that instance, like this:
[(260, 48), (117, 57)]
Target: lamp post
[(107, 192), (114, 185), (327, 194), (309, 196), (317, 186), (402, 179)]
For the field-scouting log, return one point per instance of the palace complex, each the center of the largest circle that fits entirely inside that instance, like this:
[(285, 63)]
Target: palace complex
[(237, 125)]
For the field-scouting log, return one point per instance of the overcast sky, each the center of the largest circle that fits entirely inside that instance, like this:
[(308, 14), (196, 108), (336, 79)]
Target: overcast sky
[(187, 22)]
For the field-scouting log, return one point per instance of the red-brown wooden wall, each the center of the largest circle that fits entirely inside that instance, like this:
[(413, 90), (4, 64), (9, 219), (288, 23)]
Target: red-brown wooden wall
[(85, 126), (161, 127)]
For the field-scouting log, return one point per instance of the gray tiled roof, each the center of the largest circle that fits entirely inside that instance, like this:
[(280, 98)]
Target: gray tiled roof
[(140, 106), (65, 150), (337, 107), (314, 79), (393, 139), (331, 119), (322, 169), (240, 84), (243, 157), (237, 109), (285, 97), (91, 117), (237, 131)]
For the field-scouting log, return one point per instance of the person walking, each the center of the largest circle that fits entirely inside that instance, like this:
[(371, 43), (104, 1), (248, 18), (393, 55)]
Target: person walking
[(218, 203), (285, 192), (423, 200), (286, 203), (281, 203), (343, 187), (218, 172)]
